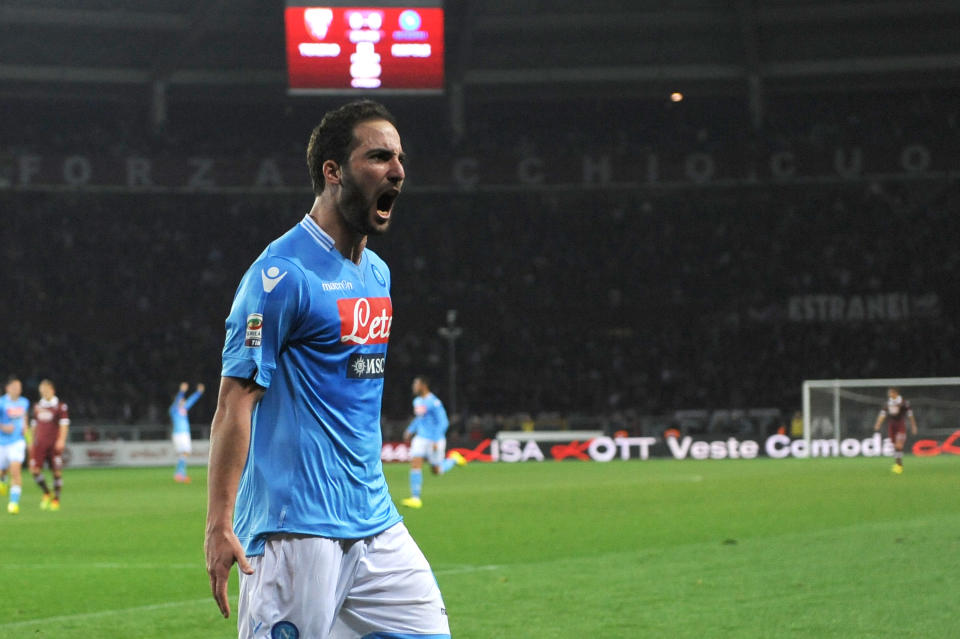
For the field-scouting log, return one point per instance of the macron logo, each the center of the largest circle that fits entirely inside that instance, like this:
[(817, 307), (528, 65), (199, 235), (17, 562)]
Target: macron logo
[(271, 278)]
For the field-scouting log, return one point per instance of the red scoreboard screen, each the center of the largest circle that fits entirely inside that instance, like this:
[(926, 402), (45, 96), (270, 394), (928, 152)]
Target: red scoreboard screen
[(383, 48)]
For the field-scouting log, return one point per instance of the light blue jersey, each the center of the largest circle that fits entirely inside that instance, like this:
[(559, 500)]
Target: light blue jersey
[(13, 411), (178, 413), (312, 328), (430, 419)]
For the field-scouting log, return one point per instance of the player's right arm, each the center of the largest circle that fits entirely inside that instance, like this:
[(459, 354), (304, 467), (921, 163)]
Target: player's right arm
[(229, 445), (882, 416)]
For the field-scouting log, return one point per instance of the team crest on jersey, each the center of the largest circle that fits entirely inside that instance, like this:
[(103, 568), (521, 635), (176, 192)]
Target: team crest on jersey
[(254, 330), (378, 275), (284, 630), (366, 365), (365, 320)]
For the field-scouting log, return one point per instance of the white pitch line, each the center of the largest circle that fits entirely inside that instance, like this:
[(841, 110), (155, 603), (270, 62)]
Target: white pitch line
[(102, 565), (463, 569), (104, 613)]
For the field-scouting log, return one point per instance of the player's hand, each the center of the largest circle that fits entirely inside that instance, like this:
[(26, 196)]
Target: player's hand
[(184, 387), (222, 549), (407, 437)]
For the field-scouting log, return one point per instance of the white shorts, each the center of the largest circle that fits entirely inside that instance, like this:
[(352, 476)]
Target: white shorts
[(181, 443), (12, 453), (423, 447), (317, 588)]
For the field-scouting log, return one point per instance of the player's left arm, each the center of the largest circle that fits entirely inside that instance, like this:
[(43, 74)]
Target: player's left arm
[(64, 425), (913, 423), (194, 397)]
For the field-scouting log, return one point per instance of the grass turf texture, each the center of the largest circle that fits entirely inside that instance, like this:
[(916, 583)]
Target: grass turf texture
[(745, 548)]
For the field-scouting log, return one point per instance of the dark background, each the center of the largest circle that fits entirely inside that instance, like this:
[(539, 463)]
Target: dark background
[(611, 254)]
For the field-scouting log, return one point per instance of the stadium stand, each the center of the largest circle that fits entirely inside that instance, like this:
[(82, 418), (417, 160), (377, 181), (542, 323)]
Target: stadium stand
[(574, 298)]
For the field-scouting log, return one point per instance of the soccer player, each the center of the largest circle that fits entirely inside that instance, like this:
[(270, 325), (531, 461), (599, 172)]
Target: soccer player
[(50, 423), (181, 428), (295, 441), (897, 411), (13, 426), (427, 436)]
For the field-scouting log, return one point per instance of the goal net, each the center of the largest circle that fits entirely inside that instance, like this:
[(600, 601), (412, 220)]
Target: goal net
[(848, 408)]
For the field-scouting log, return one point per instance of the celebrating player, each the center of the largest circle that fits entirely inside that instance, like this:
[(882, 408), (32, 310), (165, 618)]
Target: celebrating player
[(427, 436), (13, 427), (897, 410), (181, 428), (49, 426), (295, 442)]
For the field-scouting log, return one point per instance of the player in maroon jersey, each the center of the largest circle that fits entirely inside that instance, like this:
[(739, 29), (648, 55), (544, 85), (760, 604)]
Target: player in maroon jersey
[(49, 426), (897, 411)]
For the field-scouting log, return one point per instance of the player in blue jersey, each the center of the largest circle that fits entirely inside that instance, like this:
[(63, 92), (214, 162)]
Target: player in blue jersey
[(181, 428), (427, 436), (13, 445), (296, 495)]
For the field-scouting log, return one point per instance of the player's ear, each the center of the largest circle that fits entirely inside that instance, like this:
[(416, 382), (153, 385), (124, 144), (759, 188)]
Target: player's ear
[(331, 172)]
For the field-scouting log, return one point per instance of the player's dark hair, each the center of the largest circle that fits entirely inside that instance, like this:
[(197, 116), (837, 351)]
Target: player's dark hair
[(333, 138), (12, 378), (47, 380), (424, 380)]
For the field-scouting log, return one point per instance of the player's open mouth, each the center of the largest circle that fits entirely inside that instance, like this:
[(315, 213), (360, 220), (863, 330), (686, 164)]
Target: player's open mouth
[(385, 203)]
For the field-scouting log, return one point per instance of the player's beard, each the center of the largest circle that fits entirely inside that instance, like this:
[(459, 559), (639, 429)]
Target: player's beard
[(358, 211)]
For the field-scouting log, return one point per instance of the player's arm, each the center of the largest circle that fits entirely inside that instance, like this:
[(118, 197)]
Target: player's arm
[(61, 437), (913, 423), (64, 425), (879, 421), (27, 432), (229, 445), (193, 398), (410, 431)]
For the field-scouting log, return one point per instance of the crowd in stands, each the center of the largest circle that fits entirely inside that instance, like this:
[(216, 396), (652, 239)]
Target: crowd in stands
[(572, 301)]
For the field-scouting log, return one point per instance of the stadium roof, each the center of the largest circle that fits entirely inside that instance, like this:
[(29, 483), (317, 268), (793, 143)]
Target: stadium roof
[(495, 48)]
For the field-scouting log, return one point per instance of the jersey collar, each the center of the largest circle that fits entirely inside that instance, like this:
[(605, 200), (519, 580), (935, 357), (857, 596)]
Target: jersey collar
[(320, 236)]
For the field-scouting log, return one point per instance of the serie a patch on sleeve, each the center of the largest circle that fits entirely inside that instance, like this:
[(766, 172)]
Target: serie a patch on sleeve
[(254, 335)]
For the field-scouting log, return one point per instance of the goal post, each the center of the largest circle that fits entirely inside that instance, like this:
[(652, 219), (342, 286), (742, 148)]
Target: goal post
[(848, 408)]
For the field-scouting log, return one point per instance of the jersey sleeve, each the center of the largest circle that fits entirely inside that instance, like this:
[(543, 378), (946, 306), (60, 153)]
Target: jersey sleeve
[(268, 303), (192, 399), (419, 410)]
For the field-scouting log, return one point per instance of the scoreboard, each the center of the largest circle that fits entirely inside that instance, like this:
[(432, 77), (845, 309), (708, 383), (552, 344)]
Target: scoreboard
[(385, 47)]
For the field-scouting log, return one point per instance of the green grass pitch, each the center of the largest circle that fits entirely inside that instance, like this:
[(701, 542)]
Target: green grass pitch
[(746, 548)]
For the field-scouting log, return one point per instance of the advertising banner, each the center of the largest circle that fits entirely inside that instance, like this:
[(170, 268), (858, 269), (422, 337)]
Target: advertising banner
[(554, 447)]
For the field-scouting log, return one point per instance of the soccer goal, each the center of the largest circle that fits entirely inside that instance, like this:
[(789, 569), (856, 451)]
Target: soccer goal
[(848, 408)]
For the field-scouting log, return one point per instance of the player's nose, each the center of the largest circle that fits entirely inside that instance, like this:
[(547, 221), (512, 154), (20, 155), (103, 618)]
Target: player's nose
[(396, 173)]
